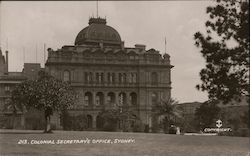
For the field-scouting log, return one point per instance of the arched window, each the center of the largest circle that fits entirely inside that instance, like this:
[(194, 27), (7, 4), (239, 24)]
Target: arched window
[(133, 98), (99, 98), (111, 98), (66, 76), (88, 99), (154, 78), (154, 98), (122, 99)]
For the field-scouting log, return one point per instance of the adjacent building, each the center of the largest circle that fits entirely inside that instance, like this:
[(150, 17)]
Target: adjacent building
[(8, 81)]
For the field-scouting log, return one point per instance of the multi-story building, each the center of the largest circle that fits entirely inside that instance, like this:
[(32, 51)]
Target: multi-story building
[(8, 81), (107, 74)]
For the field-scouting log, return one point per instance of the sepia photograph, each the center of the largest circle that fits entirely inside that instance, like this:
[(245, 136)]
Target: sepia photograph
[(124, 78)]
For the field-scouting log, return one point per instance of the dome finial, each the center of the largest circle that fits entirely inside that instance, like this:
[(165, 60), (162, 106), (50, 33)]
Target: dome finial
[(98, 20)]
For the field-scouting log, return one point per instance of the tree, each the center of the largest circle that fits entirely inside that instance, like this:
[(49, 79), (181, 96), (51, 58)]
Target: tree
[(225, 48), (46, 94), (169, 111), (207, 114)]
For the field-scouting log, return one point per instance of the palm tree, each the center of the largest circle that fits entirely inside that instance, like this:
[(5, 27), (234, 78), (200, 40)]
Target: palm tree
[(168, 112)]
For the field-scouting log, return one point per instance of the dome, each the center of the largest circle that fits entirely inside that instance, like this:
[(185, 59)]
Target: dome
[(97, 32)]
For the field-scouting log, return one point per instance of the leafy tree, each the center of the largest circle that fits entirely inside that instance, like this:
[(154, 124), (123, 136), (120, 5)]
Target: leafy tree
[(46, 94), (225, 47), (207, 114), (169, 111)]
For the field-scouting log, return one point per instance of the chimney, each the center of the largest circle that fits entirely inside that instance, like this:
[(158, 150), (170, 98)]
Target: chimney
[(7, 60)]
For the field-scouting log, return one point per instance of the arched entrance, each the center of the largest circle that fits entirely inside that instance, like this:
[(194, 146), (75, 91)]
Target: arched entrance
[(89, 121), (99, 122)]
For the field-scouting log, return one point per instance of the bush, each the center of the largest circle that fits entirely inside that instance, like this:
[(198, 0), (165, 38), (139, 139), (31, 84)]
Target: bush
[(172, 130), (76, 123), (138, 126), (110, 124)]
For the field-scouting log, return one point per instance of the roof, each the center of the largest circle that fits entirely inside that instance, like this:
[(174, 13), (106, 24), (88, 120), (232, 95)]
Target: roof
[(98, 32)]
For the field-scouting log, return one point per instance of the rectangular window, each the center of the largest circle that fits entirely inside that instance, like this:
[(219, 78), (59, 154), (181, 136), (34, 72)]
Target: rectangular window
[(7, 88), (120, 77), (86, 78), (109, 78), (113, 78), (102, 78), (97, 77), (134, 78)]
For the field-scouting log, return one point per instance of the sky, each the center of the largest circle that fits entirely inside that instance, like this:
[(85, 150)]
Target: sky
[(26, 26)]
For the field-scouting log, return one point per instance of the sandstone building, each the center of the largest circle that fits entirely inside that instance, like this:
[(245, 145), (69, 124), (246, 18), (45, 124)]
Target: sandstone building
[(107, 74)]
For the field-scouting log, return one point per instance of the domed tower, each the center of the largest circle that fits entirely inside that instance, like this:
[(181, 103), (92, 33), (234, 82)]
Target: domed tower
[(98, 33)]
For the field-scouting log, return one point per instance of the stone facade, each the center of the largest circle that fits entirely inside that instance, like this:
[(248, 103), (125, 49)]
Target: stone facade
[(107, 74)]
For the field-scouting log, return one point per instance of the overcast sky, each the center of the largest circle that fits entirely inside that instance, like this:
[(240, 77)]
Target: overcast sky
[(26, 25)]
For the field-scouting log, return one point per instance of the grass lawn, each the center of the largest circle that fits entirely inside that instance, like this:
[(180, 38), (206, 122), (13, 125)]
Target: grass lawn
[(142, 144)]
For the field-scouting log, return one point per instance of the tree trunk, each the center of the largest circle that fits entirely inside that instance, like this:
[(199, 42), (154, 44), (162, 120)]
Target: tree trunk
[(47, 124)]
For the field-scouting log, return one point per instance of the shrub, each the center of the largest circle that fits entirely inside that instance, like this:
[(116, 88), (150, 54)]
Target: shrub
[(172, 130), (110, 124), (138, 126), (76, 123)]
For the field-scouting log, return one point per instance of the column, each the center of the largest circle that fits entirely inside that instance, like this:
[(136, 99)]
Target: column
[(116, 98), (104, 99), (83, 97), (94, 122), (105, 78), (93, 98)]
